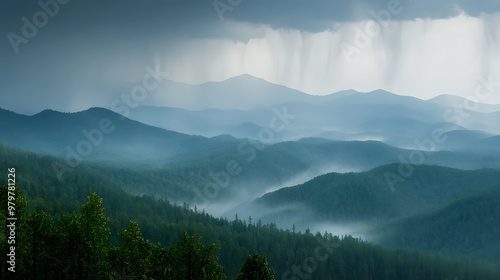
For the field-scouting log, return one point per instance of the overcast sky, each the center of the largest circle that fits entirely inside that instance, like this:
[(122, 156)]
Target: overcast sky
[(86, 52)]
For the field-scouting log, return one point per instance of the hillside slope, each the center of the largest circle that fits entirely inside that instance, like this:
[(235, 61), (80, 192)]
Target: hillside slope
[(367, 196), (468, 226)]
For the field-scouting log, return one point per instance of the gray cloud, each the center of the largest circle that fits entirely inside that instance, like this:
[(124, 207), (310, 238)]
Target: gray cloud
[(89, 45), (195, 18)]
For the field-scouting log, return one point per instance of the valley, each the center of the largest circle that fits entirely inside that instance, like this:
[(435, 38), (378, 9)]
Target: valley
[(373, 166)]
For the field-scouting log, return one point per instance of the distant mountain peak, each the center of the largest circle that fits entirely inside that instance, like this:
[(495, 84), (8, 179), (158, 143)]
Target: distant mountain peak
[(92, 110), (381, 91), (47, 113), (446, 99), (245, 77), (240, 79)]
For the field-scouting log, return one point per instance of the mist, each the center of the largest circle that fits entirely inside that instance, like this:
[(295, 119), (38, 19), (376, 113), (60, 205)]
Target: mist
[(243, 203), (311, 174), (421, 57)]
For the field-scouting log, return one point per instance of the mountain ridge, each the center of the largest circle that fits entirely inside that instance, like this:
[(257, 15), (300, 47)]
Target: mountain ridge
[(367, 195)]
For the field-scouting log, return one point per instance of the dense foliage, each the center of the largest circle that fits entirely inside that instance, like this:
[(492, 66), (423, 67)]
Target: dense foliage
[(255, 267), (469, 226), (54, 236), (78, 247), (368, 196)]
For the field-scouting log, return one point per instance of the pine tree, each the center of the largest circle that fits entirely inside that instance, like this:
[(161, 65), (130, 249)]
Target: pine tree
[(95, 237), (133, 257), (255, 267), (192, 260), (40, 246), (84, 242)]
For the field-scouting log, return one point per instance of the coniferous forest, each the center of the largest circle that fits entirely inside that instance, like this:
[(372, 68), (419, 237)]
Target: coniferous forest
[(81, 228)]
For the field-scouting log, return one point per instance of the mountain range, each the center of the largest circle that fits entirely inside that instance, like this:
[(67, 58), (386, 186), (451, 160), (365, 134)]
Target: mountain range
[(374, 164), (347, 115), (80, 137)]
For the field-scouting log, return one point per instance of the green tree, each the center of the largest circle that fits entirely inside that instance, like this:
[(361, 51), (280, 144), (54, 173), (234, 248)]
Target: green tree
[(84, 243), (40, 253), (255, 267), (70, 250), (133, 257), (95, 237), (192, 260)]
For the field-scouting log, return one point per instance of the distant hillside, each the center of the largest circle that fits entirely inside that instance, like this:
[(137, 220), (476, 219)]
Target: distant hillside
[(238, 93), (214, 108), (245, 130), (209, 122), (367, 196), (470, 141), (97, 134), (101, 135), (468, 226), (452, 100)]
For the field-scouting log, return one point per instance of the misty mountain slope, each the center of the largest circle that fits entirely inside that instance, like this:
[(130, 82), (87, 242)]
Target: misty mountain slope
[(98, 134), (403, 132), (247, 92), (273, 166), (174, 183), (352, 116), (213, 108), (494, 141), (382, 97), (447, 100), (469, 226), (487, 122), (468, 140), (395, 124), (208, 122), (367, 195), (263, 167), (352, 155), (268, 168), (52, 132), (242, 93), (469, 114), (245, 130), (378, 115)]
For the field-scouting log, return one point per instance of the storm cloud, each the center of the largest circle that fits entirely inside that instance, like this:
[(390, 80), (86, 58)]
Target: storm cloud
[(86, 53)]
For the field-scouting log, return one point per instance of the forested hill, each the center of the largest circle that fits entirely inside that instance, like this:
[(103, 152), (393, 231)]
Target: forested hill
[(382, 193), (469, 226), (96, 134), (290, 254)]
